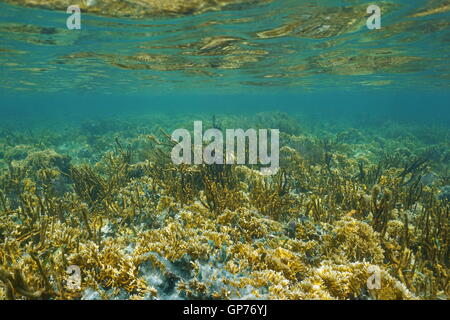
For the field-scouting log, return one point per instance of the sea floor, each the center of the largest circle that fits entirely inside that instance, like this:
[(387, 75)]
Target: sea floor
[(97, 210)]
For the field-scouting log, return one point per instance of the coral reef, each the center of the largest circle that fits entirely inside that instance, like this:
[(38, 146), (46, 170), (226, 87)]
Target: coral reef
[(140, 227)]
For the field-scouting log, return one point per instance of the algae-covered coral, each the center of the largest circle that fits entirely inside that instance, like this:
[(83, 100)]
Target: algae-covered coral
[(346, 204)]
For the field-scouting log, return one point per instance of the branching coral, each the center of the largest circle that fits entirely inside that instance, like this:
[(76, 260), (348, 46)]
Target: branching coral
[(139, 226)]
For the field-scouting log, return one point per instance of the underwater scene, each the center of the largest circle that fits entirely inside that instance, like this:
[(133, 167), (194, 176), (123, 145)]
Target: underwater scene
[(224, 149)]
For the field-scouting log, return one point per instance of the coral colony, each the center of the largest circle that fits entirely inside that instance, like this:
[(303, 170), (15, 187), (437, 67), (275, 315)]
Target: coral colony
[(345, 216)]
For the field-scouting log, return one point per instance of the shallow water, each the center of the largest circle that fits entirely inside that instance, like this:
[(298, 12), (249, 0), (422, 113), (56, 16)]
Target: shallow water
[(86, 175), (274, 46)]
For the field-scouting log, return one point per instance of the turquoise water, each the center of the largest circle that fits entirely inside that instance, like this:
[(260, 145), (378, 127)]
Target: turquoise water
[(279, 46), (273, 55)]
